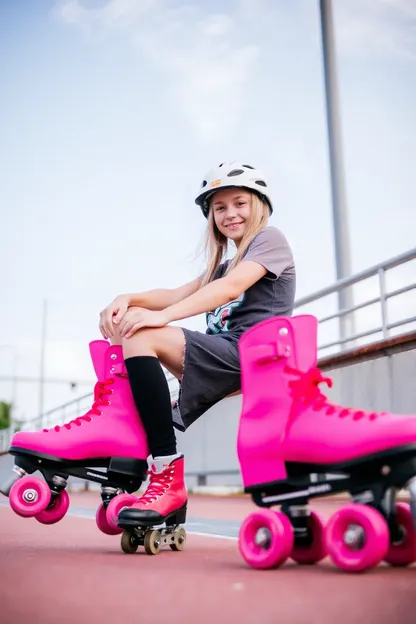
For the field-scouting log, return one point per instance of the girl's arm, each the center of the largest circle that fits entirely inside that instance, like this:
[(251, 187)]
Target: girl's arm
[(161, 298), (217, 293)]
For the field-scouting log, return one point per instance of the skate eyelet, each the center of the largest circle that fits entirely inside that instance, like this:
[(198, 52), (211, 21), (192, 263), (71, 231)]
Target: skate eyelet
[(113, 356), (112, 369), (108, 402)]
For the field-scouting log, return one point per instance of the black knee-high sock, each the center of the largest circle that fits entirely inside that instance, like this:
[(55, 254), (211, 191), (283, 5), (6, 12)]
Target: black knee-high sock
[(152, 398)]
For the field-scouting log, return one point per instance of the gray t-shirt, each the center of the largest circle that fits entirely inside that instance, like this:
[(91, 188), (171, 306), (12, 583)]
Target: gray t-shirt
[(272, 295)]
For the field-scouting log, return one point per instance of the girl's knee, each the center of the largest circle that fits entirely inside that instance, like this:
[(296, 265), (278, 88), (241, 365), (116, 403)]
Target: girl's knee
[(141, 343)]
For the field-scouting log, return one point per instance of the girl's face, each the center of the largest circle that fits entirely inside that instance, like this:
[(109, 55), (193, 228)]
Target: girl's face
[(231, 210)]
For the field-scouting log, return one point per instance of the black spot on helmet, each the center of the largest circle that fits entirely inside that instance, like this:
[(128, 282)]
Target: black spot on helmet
[(230, 174)]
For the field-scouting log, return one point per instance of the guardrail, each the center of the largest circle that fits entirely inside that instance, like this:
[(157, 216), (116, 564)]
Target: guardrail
[(63, 413), (384, 326)]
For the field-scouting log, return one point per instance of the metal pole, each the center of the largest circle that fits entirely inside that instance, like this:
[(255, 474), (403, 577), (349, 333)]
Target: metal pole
[(42, 358), (13, 412), (13, 379), (339, 204)]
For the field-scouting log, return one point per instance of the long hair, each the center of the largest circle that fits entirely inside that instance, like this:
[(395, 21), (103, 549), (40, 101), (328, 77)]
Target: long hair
[(216, 243)]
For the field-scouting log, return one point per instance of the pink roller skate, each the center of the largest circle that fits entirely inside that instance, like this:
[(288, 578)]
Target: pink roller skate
[(106, 445), (164, 502), (294, 444)]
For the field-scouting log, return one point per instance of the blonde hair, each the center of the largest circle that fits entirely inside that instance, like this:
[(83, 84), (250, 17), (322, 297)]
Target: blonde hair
[(216, 243)]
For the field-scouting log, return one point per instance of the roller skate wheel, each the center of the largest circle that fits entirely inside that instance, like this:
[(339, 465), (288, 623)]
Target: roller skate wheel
[(179, 538), (57, 510), (119, 502), (29, 496), (403, 552), (129, 542), (265, 539), (357, 538), (102, 522), (152, 542), (315, 551)]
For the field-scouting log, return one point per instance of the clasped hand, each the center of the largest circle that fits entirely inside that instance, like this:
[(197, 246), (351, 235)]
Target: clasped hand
[(128, 319), (138, 318)]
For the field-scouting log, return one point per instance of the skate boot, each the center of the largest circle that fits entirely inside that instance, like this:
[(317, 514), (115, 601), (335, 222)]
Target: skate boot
[(106, 445), (164, 501), (294, 444)]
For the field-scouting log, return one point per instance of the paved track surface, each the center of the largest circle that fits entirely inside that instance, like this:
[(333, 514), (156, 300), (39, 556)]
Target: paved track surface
[(70, 573)]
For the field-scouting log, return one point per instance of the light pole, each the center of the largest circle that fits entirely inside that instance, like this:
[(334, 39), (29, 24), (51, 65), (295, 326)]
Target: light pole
[(42, 357), (13, 379), (339, 203)]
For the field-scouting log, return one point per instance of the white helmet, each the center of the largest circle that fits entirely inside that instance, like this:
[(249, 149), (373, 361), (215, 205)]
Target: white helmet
[(230, 174)]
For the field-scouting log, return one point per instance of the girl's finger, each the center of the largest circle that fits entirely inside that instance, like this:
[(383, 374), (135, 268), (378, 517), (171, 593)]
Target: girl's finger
[(134, 329), (126, 328), (120, 313)]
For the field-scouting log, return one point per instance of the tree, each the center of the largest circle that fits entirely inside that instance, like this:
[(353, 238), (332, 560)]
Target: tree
[(5, 411)]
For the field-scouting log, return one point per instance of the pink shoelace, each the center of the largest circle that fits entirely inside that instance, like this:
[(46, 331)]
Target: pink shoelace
[(306, 390), (158, 485), (101, 391)]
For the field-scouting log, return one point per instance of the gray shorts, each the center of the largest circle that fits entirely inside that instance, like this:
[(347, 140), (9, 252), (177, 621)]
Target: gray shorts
[(211, 372)]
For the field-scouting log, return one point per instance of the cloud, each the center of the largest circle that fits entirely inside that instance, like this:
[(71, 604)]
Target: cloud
[(381, 28), (204, 57)]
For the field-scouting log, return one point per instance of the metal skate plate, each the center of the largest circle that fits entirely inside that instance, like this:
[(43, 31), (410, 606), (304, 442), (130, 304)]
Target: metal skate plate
[(7, 486), (411, 486)]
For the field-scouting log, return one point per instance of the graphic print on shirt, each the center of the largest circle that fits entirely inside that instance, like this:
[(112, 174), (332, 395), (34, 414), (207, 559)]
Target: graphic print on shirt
[(217, 321)]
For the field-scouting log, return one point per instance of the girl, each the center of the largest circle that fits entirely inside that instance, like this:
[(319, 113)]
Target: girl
[(258, 283)]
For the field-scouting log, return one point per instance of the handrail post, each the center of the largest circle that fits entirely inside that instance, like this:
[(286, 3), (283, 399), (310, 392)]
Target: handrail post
[(383, 302)]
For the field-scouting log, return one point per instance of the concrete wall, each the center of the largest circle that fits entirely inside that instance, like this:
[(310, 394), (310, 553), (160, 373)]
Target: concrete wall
[(383, 383)]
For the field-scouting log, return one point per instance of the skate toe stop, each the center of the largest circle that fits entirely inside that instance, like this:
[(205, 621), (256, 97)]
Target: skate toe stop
[(143, 517)]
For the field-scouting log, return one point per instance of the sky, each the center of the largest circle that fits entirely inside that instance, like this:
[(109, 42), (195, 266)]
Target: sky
[(113, 110)]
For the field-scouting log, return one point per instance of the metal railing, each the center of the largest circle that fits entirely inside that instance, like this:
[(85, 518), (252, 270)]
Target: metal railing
[(63, 413), (71, 409), (380, 297)]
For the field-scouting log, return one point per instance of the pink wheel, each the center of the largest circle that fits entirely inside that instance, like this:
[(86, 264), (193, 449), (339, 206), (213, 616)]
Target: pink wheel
[(115, 506), (29, 496), (288, 530), (403, 553), (265, 539), (54, 514), (102, 522), (316, 551), (357, 538)]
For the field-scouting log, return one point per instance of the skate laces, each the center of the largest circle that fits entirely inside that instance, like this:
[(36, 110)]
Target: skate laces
[(158, 485), (306, 389), (101, 390)]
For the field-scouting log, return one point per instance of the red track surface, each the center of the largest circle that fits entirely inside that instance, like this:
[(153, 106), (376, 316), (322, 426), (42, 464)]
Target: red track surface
[(71, 573)]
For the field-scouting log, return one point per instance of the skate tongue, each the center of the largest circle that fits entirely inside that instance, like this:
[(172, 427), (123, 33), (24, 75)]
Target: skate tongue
[(98, 350), (157, 465)]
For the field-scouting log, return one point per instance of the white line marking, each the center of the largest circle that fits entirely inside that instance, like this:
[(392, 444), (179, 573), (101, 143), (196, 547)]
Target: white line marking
[(190, 532)]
